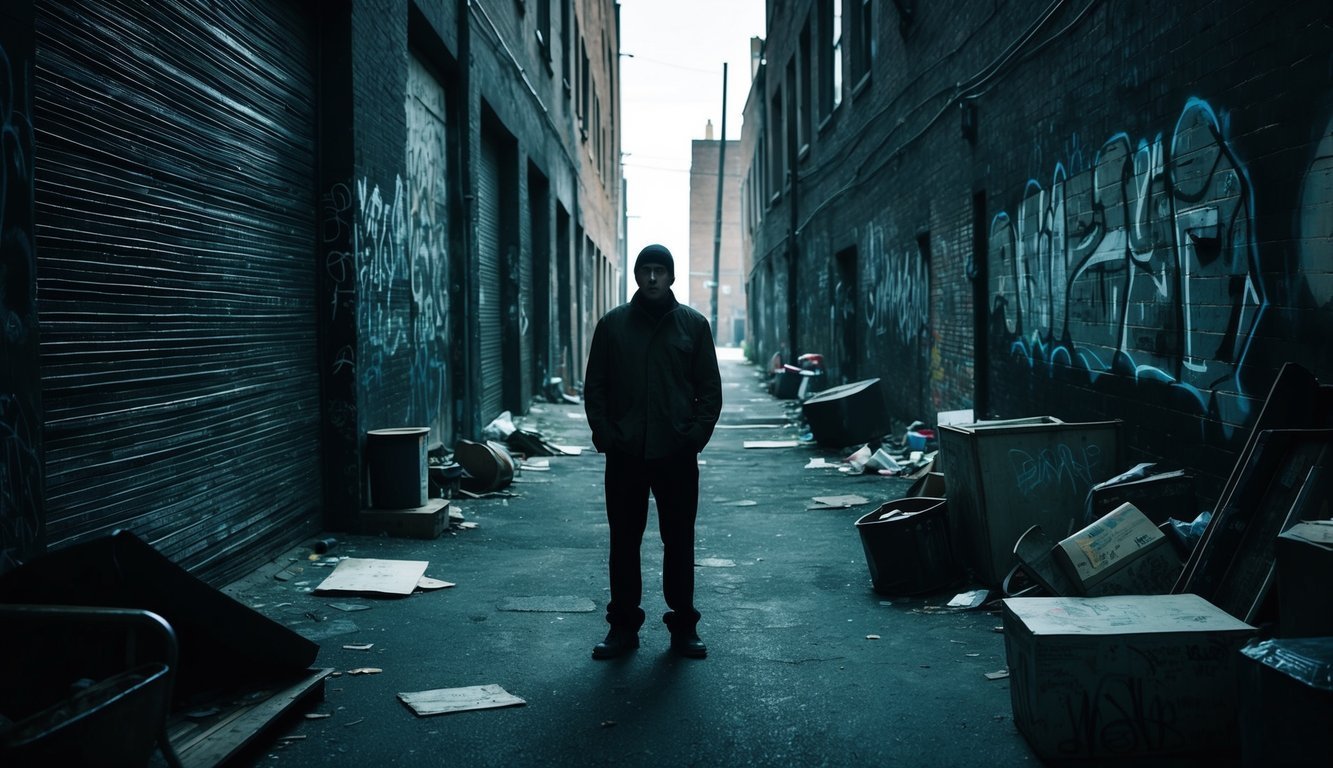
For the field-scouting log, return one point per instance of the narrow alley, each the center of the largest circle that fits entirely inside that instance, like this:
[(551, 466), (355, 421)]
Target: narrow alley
[(807, 665)]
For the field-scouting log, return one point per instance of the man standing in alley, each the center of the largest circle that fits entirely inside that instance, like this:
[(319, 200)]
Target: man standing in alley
[(653, 395)]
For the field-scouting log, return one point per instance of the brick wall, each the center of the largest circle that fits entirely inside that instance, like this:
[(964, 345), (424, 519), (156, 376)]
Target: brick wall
[(1156, 212)]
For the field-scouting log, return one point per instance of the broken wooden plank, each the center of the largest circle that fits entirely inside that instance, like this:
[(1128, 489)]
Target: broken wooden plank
[(242, 722)]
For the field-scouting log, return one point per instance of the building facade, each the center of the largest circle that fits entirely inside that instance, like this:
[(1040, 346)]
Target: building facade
[(238, 236), (1082, 209), (715, 241)]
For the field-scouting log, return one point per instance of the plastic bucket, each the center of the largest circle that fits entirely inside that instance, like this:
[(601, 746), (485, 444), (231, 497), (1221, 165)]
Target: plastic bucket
[(906, 542), (398, 474)]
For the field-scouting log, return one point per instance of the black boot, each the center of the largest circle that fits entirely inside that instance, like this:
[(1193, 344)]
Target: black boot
[(689, 645), (618, 642)]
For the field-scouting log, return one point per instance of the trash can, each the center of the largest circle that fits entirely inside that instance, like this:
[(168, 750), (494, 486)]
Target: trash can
[(398, 474), (906, 542)]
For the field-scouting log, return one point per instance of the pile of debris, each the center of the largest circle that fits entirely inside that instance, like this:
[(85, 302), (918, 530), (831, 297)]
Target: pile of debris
[(1137, 625)]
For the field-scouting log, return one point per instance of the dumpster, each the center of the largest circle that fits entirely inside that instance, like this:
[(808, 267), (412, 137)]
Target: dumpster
[(1006, 476)]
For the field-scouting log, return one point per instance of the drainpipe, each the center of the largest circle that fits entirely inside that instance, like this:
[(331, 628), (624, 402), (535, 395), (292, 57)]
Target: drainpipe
[(467, 406)]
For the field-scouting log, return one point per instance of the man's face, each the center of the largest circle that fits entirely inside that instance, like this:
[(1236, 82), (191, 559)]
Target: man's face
[(653, 280)]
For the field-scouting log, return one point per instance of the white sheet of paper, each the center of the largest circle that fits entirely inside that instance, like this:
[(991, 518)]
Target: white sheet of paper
[(441, 701), (769, 444), (360, 574)]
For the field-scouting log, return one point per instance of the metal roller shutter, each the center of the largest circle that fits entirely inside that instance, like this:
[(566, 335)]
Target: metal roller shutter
[(490, 314), (175, 225)]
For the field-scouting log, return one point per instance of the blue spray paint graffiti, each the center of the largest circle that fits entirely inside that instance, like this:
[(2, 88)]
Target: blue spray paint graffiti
[(1144, 263)]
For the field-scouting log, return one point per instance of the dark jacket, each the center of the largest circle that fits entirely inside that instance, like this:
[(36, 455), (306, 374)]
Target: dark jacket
[(652, 387)]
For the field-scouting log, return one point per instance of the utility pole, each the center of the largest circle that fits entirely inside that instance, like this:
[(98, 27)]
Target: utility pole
[(717, 224)]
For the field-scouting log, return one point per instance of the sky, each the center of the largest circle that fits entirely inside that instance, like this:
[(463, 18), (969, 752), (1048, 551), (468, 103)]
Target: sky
[(672, 52)]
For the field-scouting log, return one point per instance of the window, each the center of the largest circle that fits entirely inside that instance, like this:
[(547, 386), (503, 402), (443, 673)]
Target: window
[(805, 117), (776, 144), (544, 28), (566, 46), (585, 90), (830, 58), (863, 40)]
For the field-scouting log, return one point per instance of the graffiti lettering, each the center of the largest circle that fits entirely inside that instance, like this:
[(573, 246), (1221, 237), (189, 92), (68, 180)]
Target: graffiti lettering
[(897, 295), (1058, 465), (1144, 263)]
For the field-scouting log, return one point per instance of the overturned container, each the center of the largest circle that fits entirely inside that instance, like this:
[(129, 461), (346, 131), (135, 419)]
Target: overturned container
[(848, 414), (906, 542)]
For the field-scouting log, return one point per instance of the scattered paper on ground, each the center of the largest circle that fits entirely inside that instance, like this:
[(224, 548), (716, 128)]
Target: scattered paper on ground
[(872, 637), (359, 574), (837, 502), (969, 599), (365, 671), (358, 646), (426, 582), (770, 444), (549, 604), (442, 701), (742, 503), (350, 607), (998, 674), (569, 450), (819, 462), (715, 562)]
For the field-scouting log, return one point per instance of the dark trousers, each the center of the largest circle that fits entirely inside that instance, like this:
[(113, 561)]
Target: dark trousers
[(674, 483)]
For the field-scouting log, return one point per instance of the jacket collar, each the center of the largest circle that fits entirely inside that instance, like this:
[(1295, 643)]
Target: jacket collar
[(656, 310)]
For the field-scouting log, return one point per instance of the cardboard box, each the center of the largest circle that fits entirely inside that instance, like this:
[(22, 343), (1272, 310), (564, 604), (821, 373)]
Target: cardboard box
[(1004, 477), (424, 522), (1123, 677), (1159, 497), (1122, 553), (1304, 560)]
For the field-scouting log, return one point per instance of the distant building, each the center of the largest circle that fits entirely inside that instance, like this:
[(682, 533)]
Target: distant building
[(730, 277)]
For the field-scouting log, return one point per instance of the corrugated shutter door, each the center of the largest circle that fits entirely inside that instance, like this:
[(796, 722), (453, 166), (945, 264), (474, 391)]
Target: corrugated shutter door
[(175, 223), (489, 307)]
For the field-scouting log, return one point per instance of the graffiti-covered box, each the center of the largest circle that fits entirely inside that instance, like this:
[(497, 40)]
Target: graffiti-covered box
[(1006, 476), (1125, 677)]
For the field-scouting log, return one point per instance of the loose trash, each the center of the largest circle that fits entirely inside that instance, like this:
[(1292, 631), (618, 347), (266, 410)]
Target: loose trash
[(392, 577), (769, 444), (971, 599), (442, 701), (837, 502), (427, 583)]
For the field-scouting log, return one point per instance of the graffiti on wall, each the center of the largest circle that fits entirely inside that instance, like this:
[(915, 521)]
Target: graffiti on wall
[(20, 479), (897, 289), (20, 467), (1141, 262), (400, 252)]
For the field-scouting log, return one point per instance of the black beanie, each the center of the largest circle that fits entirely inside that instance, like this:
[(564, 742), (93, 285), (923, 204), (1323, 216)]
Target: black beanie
[(656, 254)]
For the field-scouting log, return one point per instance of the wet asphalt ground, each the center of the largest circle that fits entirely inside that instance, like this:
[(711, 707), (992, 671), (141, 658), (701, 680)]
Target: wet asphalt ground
[(807, 665)]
